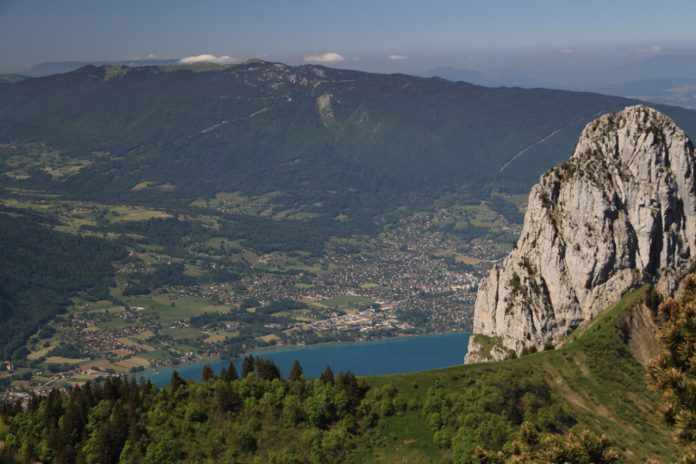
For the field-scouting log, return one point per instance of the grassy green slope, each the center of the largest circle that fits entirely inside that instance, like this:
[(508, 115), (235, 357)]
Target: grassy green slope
[(594, 377)]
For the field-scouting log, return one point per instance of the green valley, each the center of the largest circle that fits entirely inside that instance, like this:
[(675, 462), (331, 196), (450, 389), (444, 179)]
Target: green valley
[(192, 283), (267, 205)]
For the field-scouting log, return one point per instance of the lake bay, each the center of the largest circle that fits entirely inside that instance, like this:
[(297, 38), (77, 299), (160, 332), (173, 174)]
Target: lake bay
[(383, 357)]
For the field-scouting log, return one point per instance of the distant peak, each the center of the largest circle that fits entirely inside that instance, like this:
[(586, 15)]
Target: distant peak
[(256, 61)]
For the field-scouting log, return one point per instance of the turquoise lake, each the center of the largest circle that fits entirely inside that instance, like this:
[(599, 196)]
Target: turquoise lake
[(393, 356)]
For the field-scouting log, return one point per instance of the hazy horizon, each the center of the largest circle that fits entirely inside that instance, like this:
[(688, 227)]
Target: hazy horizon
[(385, 36)]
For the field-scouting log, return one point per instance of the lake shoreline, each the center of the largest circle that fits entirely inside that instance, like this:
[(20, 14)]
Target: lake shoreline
[(335, 356), (341, 343)]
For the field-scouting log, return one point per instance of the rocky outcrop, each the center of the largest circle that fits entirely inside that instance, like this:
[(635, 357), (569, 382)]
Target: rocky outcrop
[(621, 212)]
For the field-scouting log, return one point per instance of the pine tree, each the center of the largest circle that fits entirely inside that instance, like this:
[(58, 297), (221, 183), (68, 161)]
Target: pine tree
[(355, 391), (229, 374), (296, 372), (226, 398), (673, 372), (327, 376), (247, 365), (266, 369), (207, 373), (176, 381)]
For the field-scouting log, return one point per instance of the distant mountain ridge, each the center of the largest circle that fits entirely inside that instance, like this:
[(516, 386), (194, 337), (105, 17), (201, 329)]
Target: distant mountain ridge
[(493, 78), (12, 78), (679, 92), (661, 79), (61, 67), (343, 140)]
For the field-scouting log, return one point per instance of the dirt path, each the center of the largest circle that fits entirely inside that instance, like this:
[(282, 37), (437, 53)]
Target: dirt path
[(529, 147)]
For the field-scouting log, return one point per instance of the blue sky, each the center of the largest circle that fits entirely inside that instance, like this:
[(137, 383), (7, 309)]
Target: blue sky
[(356, 33)]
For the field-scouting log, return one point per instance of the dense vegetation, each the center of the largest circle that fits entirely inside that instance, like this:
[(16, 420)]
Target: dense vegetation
[(673, 372), (264, 418), (586, 402), (40, 269), (261, 418)]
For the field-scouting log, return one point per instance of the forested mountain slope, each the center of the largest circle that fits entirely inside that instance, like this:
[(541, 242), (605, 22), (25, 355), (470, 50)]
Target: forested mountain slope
[(313, 133), (40, 269)]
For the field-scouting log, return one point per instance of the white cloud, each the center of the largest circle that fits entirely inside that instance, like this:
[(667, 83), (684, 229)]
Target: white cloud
[(207, 58), (651, 49), (395, 57), (326, 57)]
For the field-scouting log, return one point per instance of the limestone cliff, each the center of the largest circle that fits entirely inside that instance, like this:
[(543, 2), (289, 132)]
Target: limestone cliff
[(621, 212)]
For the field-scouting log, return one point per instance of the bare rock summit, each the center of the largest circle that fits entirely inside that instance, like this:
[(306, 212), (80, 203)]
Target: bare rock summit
[(620, 213)]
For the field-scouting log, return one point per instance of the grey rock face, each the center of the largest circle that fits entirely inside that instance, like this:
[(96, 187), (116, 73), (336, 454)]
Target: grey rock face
[(621, 212)]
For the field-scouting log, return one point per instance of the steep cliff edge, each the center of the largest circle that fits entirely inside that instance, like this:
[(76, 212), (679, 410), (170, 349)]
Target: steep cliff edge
[(620, 213)]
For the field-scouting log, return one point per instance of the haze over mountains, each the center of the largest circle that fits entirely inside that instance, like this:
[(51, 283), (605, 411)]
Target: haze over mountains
[(663, 79), (60, 67)]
